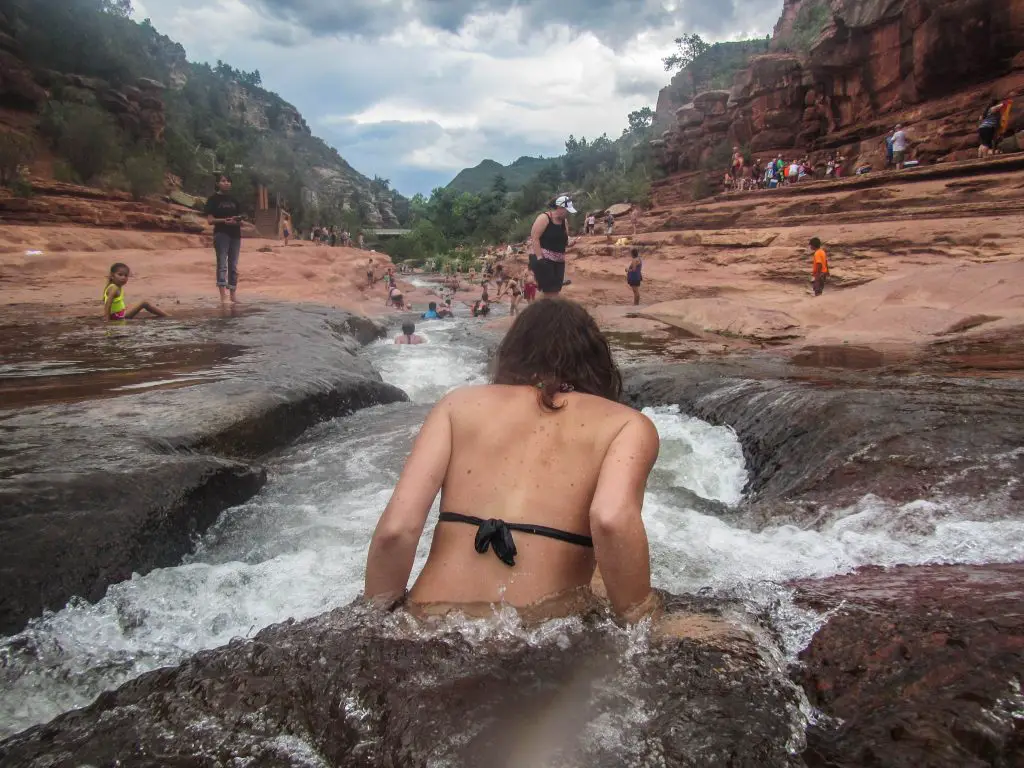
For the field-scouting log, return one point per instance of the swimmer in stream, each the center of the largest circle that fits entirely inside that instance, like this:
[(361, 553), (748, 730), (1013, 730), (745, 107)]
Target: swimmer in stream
[(409, 335), (530, 545)]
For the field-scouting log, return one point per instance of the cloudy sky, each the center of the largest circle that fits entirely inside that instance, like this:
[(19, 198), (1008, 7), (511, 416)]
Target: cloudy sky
[(415, 90)]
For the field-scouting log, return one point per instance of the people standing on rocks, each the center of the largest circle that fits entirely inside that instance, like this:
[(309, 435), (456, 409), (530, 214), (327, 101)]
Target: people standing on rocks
[(590, 227), (362, 241), (634, 217), (609, 224), (889, 151), (287, 233), (899, 147), (819, 267), (987, 129), (225, 214), (515, 293), (408, 335), (114, 307), (395, 297), (556, 387), (549, 241), (370, 277), (736, 167), (634, 274)]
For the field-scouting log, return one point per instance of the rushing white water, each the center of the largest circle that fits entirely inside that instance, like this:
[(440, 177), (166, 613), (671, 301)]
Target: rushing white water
[(298, 548)]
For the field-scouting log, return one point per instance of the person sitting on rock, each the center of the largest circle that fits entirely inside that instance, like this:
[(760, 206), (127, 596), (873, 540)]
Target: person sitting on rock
[(500, 542), (408, 335), (113, 297)]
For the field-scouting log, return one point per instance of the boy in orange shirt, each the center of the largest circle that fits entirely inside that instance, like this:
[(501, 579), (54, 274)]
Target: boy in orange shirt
[(819, 271)]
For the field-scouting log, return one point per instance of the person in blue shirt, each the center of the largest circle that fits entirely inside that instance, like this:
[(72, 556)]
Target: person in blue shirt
[(431, 313)]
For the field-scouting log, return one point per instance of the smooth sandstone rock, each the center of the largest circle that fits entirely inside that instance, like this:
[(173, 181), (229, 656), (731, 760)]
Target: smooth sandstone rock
[(122, 481)]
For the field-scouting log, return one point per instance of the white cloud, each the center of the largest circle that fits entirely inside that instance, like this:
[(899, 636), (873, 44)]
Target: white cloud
[(418, 93)]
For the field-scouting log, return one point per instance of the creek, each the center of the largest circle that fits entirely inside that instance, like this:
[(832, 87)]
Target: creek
[(297, 549)]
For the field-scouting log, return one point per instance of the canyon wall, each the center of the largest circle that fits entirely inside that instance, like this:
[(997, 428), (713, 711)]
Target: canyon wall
[(840, 73)]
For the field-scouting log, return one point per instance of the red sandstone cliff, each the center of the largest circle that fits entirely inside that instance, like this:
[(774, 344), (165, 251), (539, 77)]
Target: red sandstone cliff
[(841, 72)]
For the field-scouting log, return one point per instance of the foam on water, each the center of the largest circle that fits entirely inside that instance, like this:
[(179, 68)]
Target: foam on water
[(298, 548)]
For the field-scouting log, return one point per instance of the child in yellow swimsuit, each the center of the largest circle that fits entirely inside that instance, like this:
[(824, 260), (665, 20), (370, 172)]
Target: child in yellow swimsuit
[(113, 297)]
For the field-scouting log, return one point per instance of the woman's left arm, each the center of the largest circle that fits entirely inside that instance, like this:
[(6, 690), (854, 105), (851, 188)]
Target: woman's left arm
[(393, 547)]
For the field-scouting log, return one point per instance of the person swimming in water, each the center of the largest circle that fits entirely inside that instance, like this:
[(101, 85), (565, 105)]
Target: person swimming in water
[(431, 313), (113, 297), (499, 541), (408, 335)]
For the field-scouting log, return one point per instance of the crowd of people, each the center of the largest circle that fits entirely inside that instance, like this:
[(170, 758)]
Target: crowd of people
[(330, 236), (772, 173)]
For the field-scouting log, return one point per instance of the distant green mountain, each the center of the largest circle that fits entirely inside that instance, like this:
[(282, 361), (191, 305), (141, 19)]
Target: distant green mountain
[(481, 178)]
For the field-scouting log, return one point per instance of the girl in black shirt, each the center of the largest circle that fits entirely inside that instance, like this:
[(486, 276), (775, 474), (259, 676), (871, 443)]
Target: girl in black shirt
[(225, 214)]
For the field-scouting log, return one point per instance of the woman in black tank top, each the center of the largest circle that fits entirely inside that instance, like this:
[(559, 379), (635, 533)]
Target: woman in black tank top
[(549, 240)]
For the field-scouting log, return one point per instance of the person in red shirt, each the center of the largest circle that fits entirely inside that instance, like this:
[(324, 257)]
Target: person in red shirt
[(819, 269)]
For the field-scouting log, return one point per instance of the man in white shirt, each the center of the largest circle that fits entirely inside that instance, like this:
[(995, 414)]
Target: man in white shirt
[(899, 146)]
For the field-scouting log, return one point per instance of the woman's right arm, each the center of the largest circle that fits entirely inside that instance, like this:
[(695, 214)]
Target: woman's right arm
[(620, 541), (393, 547)]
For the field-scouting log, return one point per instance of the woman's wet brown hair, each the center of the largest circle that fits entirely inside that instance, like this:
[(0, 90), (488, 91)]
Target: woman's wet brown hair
[(555, 344)]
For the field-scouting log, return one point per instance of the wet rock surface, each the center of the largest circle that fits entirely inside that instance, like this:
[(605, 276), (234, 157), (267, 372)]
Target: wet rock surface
[(816, 438), (348, 689), (917, 666), (94, 490)]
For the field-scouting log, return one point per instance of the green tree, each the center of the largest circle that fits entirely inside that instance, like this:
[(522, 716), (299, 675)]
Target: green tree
[(688, 48), (15, 151), (145, 175), (120, 8), (84, 136), (499, 187), (641, 119)]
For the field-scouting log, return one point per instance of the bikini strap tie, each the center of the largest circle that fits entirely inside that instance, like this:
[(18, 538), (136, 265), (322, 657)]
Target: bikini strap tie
[(496, 533)]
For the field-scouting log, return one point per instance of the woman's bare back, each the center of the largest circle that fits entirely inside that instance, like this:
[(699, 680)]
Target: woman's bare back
[(525, 452), (514, 461)]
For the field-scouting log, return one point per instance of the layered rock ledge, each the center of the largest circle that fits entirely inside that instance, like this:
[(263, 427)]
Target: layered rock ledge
[(121, 444)]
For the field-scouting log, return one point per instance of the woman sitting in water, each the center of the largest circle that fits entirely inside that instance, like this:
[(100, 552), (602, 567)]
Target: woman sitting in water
[(502, 540)]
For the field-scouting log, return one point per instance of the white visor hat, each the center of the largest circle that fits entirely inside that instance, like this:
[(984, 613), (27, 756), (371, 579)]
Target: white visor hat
[(564, 201)]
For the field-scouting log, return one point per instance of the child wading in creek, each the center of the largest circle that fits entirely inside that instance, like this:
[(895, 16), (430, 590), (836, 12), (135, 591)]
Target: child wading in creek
[(113, 297)]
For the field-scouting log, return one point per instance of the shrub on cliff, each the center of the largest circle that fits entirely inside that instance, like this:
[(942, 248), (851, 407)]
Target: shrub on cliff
[(810, 21), (85, 136), (719, 158), (16, 151), (701, 188), (145, 175)]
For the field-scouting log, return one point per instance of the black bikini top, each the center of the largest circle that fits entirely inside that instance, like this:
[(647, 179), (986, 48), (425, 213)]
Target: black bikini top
[(498, 534)]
